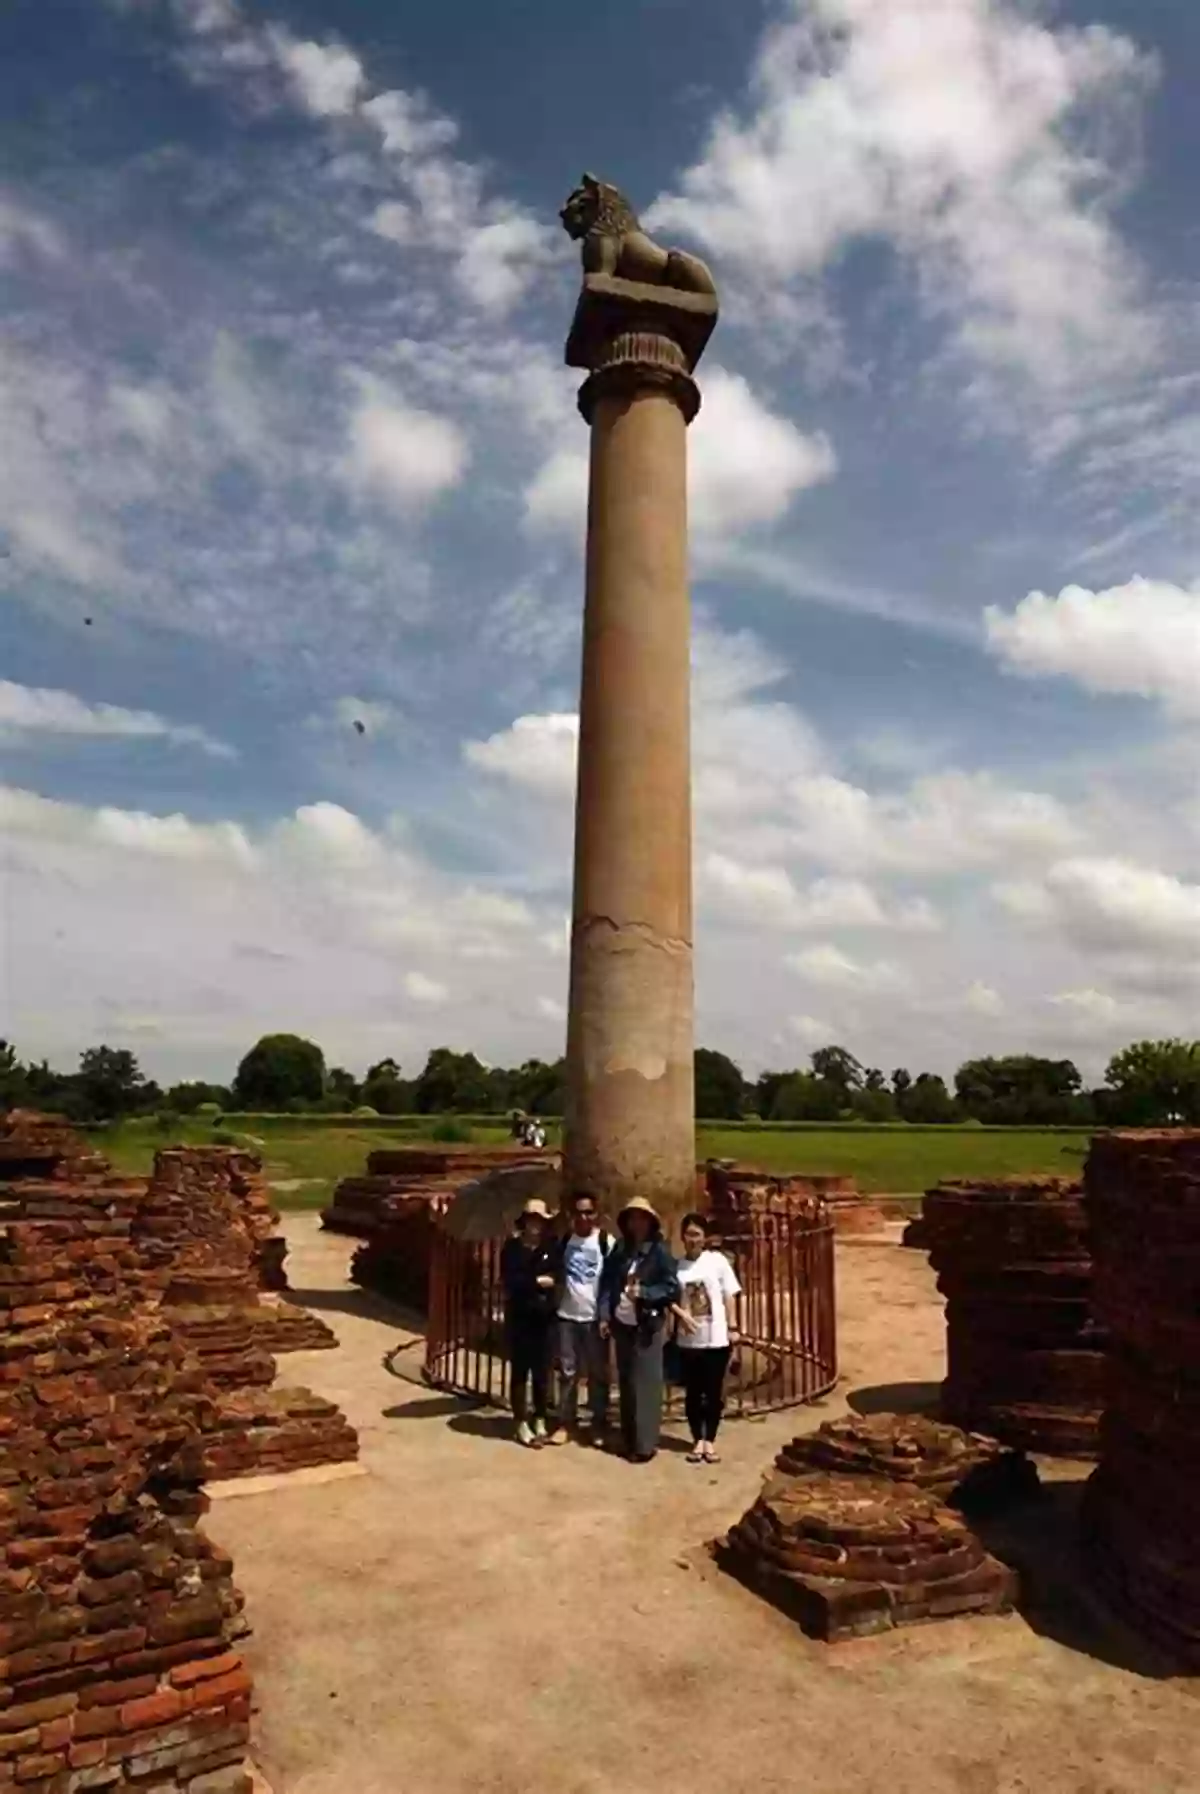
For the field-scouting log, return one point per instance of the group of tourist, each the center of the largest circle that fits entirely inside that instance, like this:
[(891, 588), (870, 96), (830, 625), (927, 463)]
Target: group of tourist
[(527, 1129), (578, 1298)]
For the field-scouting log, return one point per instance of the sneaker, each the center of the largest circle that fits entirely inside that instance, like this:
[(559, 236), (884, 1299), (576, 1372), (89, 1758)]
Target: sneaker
[(524, 1433), (539, 1431), (559, 1436)]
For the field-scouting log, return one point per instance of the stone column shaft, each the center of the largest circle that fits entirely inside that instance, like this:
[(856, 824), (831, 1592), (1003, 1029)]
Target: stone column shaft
[(630, 1110)]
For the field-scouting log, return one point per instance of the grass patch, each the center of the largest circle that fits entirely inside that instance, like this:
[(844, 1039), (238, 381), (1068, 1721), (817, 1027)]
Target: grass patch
[(312, 1159), (900, 1159)]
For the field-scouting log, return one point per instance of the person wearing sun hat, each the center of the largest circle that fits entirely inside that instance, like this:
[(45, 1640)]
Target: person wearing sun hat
[(638, 1287), (528, 1272)]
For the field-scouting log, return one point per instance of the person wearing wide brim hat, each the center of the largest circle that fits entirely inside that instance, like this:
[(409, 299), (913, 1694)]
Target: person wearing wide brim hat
[(528, 1270), (637, 1291)]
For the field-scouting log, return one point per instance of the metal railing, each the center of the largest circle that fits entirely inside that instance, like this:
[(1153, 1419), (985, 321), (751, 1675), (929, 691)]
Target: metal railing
[(783, 1251)]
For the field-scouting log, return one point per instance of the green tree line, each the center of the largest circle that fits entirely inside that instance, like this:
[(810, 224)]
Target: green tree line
[(1151, 1083)]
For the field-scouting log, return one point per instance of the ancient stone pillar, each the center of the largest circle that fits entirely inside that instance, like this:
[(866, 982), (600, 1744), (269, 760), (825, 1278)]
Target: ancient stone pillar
[(641, 325)]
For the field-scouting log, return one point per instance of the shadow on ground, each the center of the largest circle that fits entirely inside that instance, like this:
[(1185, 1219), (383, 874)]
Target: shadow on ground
[(898, 1398), (1040, 1539), (361, 1302), (430, 1406)]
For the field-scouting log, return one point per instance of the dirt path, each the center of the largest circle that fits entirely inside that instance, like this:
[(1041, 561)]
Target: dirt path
[(469, 1618)]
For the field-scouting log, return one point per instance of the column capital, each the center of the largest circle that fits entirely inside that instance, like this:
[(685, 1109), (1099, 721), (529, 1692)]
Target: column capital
[(633, 337)]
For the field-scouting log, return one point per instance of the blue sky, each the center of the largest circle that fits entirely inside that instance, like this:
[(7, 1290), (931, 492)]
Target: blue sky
[(286, 445)]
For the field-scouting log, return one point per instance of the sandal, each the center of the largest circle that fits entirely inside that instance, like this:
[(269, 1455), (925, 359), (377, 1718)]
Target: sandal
[(695, 1456)]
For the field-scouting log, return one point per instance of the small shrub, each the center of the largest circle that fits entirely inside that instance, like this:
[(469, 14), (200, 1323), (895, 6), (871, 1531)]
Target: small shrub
[(167, 1121), (365, 1113), (210, 1111), (222, 1138), (450, 1131)]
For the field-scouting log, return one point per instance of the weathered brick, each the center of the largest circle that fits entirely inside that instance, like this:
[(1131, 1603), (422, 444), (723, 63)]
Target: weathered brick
[(232, 1779), (115, 1694), (224, 1688), (97, 1722), (19, 1717), (154, 1709), (58, 1734), (12, 1744), (85, 1753), (36, 1768), (104, 1645), (206, 1669)]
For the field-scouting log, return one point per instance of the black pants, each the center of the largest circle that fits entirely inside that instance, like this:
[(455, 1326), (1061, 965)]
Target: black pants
[(530, 1340), (703, 1375), (640, 1385)]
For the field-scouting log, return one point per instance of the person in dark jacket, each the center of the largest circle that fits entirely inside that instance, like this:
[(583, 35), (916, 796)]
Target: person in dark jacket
[(527, 1269), (637, 1289)]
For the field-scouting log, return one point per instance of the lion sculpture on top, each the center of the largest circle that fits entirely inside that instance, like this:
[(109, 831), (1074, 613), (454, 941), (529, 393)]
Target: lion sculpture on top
[(600, 217)]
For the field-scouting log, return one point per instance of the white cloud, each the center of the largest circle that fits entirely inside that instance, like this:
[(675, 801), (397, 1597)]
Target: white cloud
[(831, 968), (1089, 1005), (981, 142), (24, 232), (202, 926), (495, 247), (556, 497), (1113, 905), (327, 79), (408, 124), (983, 999), (425, 990), (30, 711), (769, 897), (26, 815), (537, 752), (1142, 637), (552, 1009), (400, 452), (810, 1030), (746, 464), (946, 823)]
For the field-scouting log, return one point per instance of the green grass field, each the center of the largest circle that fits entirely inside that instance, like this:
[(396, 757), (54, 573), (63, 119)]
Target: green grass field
[(886, 1159)]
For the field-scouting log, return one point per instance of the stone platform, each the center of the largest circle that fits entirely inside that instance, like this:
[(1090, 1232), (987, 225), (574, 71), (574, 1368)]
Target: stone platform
[(968, 1471), (847, 1555)]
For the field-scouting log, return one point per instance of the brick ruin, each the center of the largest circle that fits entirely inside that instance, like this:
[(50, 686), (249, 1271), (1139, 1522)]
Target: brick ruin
[(1025, 1356), (393, 1209), (119, 1621), (853, 1532), (192, 1259), (969, 1471), (728, 1187), (1141, 1516)]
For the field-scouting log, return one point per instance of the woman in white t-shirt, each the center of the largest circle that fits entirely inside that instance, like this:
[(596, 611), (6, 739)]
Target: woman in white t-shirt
[(706, 1311)]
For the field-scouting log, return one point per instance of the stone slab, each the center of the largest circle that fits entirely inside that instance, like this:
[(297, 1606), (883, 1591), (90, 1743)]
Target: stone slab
[(284, 1479)]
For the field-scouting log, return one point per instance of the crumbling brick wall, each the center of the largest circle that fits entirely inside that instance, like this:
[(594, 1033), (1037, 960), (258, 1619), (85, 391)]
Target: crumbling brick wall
[(118, 1618), (178, 1247), (1025, 1356), (1141, 1510), (394, 1207)]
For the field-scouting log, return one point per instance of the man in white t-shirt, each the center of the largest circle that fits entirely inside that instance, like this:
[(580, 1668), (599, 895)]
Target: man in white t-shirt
[(581, 1351)]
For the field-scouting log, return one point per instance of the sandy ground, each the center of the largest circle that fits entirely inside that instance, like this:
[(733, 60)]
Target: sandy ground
[(469, 1616)]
